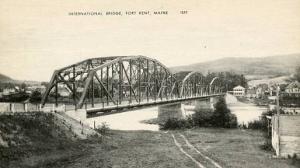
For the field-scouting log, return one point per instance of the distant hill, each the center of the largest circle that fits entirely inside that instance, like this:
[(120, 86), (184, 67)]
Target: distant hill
[(5, 79), (254, 68), (276, 80)]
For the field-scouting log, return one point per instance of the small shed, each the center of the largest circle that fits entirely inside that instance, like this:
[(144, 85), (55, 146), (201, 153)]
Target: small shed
[(286, 135)]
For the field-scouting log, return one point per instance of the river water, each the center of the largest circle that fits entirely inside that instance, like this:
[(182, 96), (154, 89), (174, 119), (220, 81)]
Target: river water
[(245, 112), (131, 120)]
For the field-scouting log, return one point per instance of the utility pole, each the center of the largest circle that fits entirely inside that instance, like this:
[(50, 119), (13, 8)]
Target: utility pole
[(278, 115), (277, 101)]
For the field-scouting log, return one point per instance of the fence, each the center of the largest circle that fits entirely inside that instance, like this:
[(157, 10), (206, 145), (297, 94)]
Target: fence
[(19, 107), (28, 107)]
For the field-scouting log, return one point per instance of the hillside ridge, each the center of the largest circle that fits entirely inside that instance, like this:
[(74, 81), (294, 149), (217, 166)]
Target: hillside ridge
[(278, 65)]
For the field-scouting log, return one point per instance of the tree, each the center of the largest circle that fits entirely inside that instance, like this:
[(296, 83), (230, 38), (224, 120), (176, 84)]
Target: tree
[(230, 80), (46, 84), (35, 97), (222, 116), (23, 86), (243, 81)]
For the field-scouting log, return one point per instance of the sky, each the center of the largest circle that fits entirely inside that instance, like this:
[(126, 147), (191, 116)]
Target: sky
[(39, 36)]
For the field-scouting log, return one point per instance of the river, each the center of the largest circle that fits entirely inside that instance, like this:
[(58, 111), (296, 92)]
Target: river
[(245, 112), (131, 120)]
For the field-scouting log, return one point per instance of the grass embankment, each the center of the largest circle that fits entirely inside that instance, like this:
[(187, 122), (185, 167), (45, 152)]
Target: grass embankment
[(34, 140)]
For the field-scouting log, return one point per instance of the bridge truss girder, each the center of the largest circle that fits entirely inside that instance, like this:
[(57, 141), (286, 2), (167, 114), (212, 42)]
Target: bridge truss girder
[(113, 80)]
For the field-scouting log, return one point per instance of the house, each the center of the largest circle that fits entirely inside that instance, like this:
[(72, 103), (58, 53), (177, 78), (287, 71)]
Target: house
[(40, 88), (239, 91), (8, 91), (64, 92), (261, 91), (272, 90), (251, 93), (293, 87)]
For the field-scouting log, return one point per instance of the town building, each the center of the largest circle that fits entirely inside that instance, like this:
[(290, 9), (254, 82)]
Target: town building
[(40, 88), (293, 87), (64, 91), (261, 91), (251, 92), (8, 91), (239, 91)]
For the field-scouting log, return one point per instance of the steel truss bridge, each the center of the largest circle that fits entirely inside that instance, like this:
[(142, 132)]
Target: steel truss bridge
[(112, 83)]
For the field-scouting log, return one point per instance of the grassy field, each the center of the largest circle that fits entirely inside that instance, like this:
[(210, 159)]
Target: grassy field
[(37, 142), (235, 148)]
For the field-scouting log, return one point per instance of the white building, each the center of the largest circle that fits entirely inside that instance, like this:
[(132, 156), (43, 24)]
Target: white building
[(239, 91), (293, 87), (8, 91), (40, 88)]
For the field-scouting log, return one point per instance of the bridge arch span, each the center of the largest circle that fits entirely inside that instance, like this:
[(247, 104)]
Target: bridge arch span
[(216, 86), (193, 84)]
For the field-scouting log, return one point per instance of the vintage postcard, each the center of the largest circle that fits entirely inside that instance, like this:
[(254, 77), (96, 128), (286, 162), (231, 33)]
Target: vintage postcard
[(122, 84)]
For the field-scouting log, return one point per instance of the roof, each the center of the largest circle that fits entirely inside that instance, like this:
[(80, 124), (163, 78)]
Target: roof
[(238, 87), (295, 84)]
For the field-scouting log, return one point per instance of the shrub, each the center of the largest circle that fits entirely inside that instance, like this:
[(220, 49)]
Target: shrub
[(35, 97), (267, 145), (295, 160), (190, 121), (231, 122), (220, 117), (262, 123), (203, 118), (103, 129), (174, 123), (256, 124)]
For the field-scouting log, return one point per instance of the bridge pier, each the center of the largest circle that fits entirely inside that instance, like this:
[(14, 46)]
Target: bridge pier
[(202, 104), (176, 110), (205, 103), (168, 111), (213, 101)]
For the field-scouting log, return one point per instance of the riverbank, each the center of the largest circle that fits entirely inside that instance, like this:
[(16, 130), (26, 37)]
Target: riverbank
[(42, 144)]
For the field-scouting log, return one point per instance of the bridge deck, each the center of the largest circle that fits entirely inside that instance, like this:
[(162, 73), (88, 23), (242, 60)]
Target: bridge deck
[(125, 106)]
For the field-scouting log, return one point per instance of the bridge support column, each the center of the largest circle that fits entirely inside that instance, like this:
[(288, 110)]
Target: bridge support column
[(170, 111), (202, 104)]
